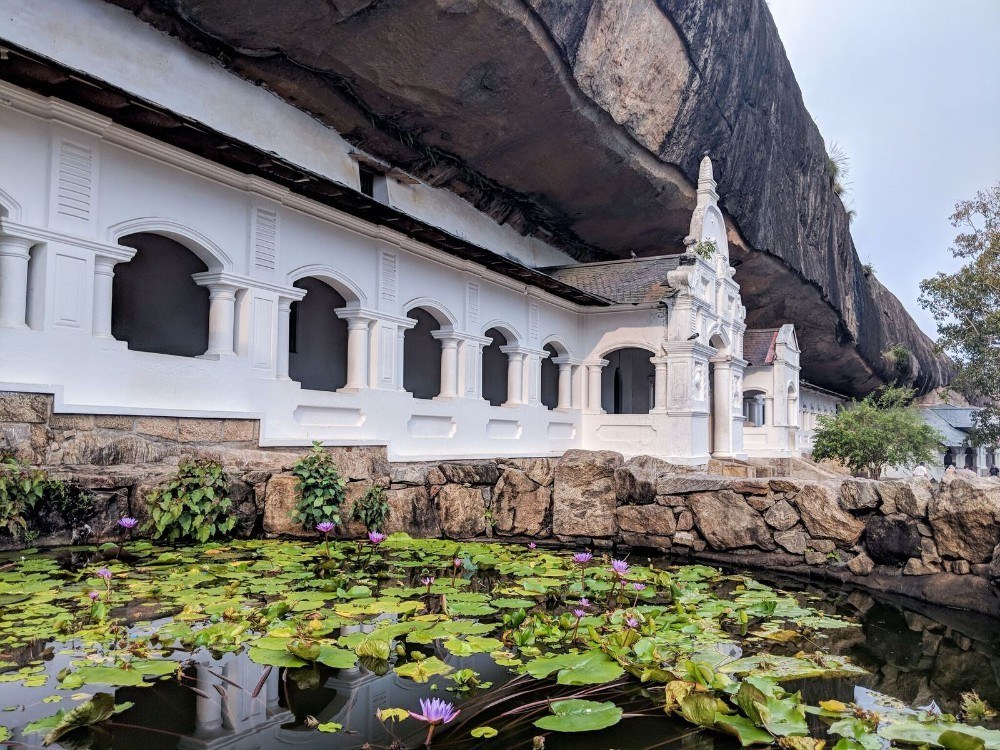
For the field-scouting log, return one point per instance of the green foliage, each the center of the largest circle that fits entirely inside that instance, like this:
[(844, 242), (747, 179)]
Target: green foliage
[(966, 307), (372, 509), (705, 249), (838, 167), (321, 488), (193, 505), (26, 493), (901, 360), (878, 431)]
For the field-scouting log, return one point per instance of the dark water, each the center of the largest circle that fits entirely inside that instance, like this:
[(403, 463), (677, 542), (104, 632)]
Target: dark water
[(917, 654)]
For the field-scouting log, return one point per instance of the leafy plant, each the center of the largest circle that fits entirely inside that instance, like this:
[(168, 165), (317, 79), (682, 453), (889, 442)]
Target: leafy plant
[(878, 431), (321, 488), (900, 359), (26, 492), (193, 505), (372, 509), (705, 249)]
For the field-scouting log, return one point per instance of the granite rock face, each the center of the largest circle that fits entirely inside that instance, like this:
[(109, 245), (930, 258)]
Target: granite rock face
[(477, 95)]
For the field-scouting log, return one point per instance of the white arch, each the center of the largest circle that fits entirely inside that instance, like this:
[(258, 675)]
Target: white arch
[(9, 208), (509, 332), (349, 290), (727, 342), (210, 253), (438, 311), (625, 344), (556, 342)]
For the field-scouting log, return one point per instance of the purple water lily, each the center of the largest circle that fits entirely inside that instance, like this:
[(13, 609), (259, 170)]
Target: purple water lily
[(325, 527), (632, 622), (435, 712), (578, 613), (457, 562), (639, 586), (94, 596), (376, 537), (532, 545), (582, 558), (619, 566), (104, 573), (584, 601), (128, 523)]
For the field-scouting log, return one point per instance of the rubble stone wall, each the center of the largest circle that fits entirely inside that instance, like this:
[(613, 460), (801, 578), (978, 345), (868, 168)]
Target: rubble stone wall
[(939, 542)]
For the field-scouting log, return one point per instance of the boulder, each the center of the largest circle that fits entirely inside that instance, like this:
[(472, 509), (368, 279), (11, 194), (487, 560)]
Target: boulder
[(584, 495), (483, 472), (965, 517), (892, 540), (245, 507), (462, 511), (685, 520), (646, 519), (821, 513), (727, 522), (795, 541), (24, 407), (409, 473), (993, 571), (635, 482), (672, 484), (859, 494), (911, 497), (353, 491), (761, 503), (751, 486), (781, 516), (281, 495), (632, 539), (411, 509), (917, 567), (861, 565), (521, 506), (786, 484), (538, 470)]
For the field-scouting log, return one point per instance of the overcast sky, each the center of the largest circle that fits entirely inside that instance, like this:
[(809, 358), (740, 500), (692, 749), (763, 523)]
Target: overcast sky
[(910, 89)]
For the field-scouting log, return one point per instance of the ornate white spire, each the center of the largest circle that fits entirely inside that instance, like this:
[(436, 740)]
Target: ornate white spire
[(706, 178)]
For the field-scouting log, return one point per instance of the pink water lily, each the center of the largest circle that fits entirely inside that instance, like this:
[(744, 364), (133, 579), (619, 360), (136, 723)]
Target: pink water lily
[(128, 523), (376, 537), (619, 566), (582, 558), (325, 527), (632, 622), (532, 545), (104, 573)]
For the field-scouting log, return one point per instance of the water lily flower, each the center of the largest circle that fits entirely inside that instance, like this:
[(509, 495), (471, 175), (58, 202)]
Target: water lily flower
[(632, 622), (619, 566), (104, 573), (435, 712), (457, 562), (578, 613), (128, 523), (376, 537), (639, 586), (584, 601), (94, 596), (532, 545), (582, 558), (325, 528)]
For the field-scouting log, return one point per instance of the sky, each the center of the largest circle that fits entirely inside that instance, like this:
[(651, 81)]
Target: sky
[(910, 89)]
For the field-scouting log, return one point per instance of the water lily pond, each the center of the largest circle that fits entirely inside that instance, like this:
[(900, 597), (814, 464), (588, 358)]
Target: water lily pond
[(406, 642)]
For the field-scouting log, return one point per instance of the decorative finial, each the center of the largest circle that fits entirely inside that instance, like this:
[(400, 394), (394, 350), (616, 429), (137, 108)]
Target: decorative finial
[(705, 173)]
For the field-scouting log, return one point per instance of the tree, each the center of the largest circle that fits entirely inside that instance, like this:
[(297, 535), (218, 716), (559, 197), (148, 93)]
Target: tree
[(966, 307), (878, 431)]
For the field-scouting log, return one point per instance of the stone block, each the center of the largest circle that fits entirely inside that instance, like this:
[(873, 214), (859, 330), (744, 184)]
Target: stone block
[(892, 540), (101, 448), (786, 484), (521, 506), (690, 483), (409, 473), (795, 541), (239, 430), (965, 517), (635, 482), (781, 516), (859, 494), (71, 422), (359, 462), (30, 408), (161, 427), (435, 476), (200, 430), (672, 501), (822, 515), (929, 551), (685, 520), (412, 510), (655, 520), (761, 503), (483, 472), (917, 567), (751, 487), (911, 497), (538, 470), (815, 558), (281, 496), (826, 546), (114, 422), (659, 543), (727, 522), (861, 565), (584, 496)]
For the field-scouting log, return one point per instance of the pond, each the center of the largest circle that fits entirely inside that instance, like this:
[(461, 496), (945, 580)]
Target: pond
[(265, 644)]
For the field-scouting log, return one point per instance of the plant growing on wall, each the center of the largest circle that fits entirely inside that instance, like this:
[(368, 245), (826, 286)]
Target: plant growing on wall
[(26, 493), (880, 430), (193, 505), (321, 489), (705, 249), (372, 509)]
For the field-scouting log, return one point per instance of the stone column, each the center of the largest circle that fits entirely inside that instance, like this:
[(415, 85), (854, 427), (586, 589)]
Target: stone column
[(221, 319), (722, 398), (357, 354), (104, 276), (565, 400), (515, 375), (659, 384), (14, 281), (449, 364), (400, 333), (284, 334), (594, 386)]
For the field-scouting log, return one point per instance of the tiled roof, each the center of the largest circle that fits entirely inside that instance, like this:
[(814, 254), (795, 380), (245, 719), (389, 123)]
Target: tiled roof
[(622, 281), (758, 346)]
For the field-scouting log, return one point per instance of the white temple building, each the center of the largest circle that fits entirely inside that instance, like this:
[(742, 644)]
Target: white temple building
[(333, 298)]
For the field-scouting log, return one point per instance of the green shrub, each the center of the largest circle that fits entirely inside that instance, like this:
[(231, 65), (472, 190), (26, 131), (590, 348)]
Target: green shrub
[(705, 249), (27, 494), (321, 489), (372, 509), (193, 505)]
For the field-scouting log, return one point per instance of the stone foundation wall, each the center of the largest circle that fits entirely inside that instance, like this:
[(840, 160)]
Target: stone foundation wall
[(937, 542)]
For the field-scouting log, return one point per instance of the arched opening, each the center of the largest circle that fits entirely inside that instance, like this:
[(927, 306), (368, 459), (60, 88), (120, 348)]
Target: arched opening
[(550, 378), (970, 459), (754, 408), (495, 366), (422, 355), (793, 407), (317, 338), (627, 382), (155, 305)]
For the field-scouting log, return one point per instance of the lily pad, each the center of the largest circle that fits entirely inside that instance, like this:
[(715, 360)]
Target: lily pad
[(580, 716)]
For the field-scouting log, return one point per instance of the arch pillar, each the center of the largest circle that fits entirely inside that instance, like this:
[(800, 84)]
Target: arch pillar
[(449, 364), (515, 374), (593, 385), (659, 385), (14, 256), (222, 290), (565, 400), (359, 332), (104, 276)]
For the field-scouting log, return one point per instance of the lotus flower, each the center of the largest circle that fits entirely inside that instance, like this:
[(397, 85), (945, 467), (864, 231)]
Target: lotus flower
[(428, 581), (457, 562), (376, 538), (578, 613), (582, 558), (435, 711), (94, 596), (326, 527), (632, 622), (532, 545), (128, 523), (639, 586), (104, 573), (584, 602), (619, 566)]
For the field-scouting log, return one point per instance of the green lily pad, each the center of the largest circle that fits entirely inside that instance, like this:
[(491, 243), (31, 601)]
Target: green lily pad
[(587, 668), (580, 716)]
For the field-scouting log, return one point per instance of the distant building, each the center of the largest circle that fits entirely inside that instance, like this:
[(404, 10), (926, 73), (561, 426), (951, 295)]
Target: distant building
[(954, 423)]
